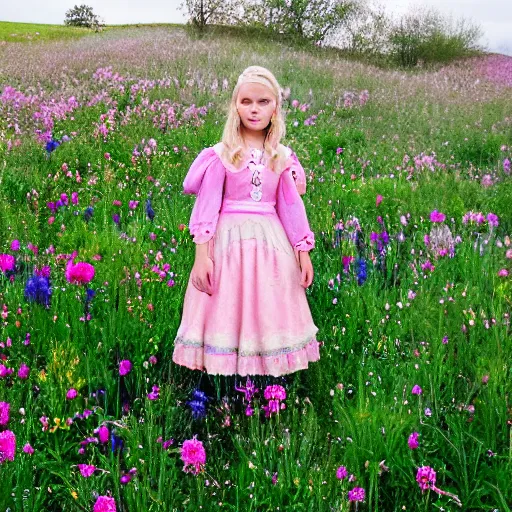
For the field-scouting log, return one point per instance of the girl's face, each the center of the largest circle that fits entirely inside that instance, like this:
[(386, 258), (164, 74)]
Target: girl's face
[(255, 104)]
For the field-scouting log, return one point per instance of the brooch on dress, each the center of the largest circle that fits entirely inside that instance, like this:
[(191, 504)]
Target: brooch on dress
[(256, 167)]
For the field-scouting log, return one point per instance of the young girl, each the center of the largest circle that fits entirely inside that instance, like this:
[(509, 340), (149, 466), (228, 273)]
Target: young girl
[(245, 309)]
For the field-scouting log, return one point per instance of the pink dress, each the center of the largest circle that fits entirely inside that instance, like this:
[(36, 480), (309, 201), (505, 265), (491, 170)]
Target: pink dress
[(257, 320)]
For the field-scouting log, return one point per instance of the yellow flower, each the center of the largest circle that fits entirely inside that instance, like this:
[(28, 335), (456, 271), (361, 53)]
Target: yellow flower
[(74, 494)]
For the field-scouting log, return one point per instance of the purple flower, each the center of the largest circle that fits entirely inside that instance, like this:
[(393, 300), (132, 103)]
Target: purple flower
[(426, 478), (86, 470), (413, 441), (416, 390), (24, 371), (103, 434), (125, 367), (28, 449), (492, 219), (71, 394), (436, 216), (74, 197), (15, 245), (341, 473), (133, 204), (154, 394), (4, 413), (356, 494)]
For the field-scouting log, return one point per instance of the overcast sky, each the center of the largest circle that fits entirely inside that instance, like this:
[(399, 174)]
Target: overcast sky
[(494, 16)]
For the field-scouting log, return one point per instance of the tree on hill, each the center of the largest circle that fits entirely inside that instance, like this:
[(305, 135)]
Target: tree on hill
[(82, 16), (208, 12)]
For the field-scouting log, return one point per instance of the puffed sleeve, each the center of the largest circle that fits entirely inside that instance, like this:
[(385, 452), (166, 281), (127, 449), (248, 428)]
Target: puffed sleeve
[(291, 211), (205, 178), (298, 174)]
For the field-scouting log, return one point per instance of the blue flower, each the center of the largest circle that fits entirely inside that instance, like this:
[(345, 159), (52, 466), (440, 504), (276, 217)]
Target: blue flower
[(149, 210), (361, 271), (52, 145), (117, 442), (88, 213), (38, 290), (198, 404)]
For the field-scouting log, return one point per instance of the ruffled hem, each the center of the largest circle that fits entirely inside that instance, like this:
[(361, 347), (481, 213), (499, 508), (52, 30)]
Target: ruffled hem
[(202, 231), (306, 244), (195, 358)]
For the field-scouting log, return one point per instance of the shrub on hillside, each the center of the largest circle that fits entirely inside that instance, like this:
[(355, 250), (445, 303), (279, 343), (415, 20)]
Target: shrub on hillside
[(82, 16)]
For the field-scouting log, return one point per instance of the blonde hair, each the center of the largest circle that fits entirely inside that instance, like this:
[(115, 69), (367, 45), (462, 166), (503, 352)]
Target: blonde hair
[(233, 144)]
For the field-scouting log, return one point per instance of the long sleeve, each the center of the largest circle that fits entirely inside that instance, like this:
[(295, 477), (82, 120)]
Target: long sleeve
[(205, 179), (291, 211)]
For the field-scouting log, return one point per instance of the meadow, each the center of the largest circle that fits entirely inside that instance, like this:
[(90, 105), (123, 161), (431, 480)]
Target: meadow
[(409, 195)]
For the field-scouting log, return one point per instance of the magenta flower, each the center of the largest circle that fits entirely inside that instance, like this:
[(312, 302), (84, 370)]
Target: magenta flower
[(4, 371), (4, 413), (125, 367), (154, 393), (6, 262), (24, 371), (492, 219), (436, 216), (103, 434), (105, 504), (506, 166), (28, 449), (341, 473), (503, 272), (15, 245), (426, 478), (413, 441), (356, 494), (133, 204), (79, 273), (193, 456), (378, 200), (416, 390), (275, 392), (74, 197), (86, 470), (71, 394), (7, 446)]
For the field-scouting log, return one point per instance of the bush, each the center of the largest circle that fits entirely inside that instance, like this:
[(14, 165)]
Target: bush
[(82, 16)]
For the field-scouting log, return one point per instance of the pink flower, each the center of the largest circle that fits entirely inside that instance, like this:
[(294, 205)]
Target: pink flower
[(6, 262), (74, 197), (79, 273), (7, 446), (416, 390), (503, 272), (71, 394), (193, 456), (4, 371), (105, 504), (28, 449), (15, 245), (24, 371), (413, 441), (154, 394), (341, 473), (125, 367), (86, 470), (103, 434), (275, 392), (356, 494), (4, 413), (378, 200), (426, 478), (436, 216)]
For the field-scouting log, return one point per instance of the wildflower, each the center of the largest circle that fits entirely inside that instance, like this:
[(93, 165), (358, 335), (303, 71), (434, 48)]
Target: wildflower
[(506, 166), (116, 218), (7, 446), (149, 210), (356, 494), (274, 478), (15, 245), (125, 367), (4, 413), (133, 204), (79, 273), (428, 412), (154, 394), (103, 434), (24, 371), (71, 394), (7, 263), (416, 390), (341, 473), (436, 216), (198, 404), (86, 470), (378, 200), (116, 442), (88, 213), (426, 478), (193, 456), (492, 219), (38, 290), (28, 449), (105, 504), (503, 272), (413, 441), (52, 145), (445, 340), (361, 271)]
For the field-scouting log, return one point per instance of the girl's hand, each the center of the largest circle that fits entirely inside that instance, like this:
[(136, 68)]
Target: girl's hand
[(202, 274), (306, 268)]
